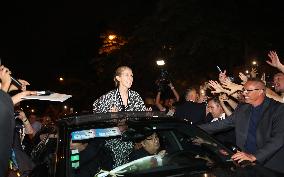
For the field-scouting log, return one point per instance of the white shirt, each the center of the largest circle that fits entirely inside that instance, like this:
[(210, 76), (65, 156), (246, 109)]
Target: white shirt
[(223, 116)]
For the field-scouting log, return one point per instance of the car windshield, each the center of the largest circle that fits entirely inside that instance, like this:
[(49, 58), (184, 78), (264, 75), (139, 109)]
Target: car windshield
[(134, 147)]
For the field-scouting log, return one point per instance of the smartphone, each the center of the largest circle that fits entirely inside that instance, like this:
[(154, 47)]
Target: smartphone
[(219, 69)]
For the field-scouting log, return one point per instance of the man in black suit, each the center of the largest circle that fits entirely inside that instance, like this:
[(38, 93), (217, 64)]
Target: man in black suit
[(191, 110), (217, 113), (259, 127)]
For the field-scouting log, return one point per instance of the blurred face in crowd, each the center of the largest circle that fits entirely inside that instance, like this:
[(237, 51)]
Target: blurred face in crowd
[(254, 93), (215, 109), (46, 120), (191, 95), (32, 118), (169, 102), (240, 96), (125, 77), (151, 144), (278, 81)]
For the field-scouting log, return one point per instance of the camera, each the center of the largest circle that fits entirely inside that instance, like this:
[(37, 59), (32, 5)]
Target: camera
[(163, 80)]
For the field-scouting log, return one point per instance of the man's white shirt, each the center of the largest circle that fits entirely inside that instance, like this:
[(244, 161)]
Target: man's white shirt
[(223, 116)]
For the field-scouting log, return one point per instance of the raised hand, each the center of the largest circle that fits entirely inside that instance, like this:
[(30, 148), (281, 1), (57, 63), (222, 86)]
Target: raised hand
[(216, 86), (243, 77), (253, 72), (223, 97), (233, 87), (222, 76), (274, 61)]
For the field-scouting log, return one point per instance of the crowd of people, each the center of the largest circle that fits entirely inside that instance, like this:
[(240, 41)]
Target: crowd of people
[(248, 114), (19, 132)]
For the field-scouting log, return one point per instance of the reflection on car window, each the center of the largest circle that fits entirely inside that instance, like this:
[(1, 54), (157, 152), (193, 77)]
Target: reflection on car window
[(196, 140), (139, 152)]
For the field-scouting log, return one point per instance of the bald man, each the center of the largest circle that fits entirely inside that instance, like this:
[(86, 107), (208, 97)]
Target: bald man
[(259, 127)]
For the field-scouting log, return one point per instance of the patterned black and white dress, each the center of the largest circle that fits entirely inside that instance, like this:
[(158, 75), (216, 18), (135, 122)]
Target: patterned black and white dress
[(113, 98), (120, 149)]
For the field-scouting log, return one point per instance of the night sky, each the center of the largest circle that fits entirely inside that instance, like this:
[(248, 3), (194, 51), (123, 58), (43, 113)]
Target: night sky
[(42, 41)]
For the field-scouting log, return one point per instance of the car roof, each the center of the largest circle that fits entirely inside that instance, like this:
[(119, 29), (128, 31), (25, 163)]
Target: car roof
[(110, 118)]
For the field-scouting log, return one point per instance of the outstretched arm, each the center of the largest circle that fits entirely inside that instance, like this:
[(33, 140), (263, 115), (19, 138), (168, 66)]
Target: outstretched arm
[(157, 102), (174, 91), (271, 94), (18, 97), (222, 99), (28, 127), (274, 61)]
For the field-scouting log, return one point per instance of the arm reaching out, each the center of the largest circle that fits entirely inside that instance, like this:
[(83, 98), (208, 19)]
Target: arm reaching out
[(274, 61), (18, 97)]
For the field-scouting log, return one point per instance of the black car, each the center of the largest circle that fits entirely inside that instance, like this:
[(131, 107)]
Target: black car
[(81, 149)]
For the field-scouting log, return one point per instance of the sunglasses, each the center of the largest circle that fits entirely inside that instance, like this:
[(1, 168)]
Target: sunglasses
[(249, 90)]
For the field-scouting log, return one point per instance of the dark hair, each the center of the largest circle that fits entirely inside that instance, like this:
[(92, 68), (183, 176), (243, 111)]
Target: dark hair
[(190, 89), (215, 100), (278, 74)]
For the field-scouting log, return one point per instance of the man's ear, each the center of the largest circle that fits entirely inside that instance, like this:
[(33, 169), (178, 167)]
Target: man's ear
[(262, 91)]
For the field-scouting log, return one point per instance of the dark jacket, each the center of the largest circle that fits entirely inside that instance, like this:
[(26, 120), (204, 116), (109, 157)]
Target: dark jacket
[(193, 112), (269, 132), (137, 154), (7, 124)]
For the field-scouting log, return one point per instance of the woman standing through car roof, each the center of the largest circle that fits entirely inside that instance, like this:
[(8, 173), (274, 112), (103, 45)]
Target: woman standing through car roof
[(120, 99)]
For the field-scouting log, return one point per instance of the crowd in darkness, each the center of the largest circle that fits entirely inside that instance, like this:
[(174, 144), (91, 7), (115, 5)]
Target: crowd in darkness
[(249, 114)]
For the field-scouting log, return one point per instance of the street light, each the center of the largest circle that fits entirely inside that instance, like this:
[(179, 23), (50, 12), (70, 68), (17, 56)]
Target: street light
[(254, 63), (160, 62), (111, 36), (61, 79)]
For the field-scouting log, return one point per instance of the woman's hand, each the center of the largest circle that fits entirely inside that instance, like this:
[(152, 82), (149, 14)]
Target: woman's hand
[(24, 85), (18, 97)]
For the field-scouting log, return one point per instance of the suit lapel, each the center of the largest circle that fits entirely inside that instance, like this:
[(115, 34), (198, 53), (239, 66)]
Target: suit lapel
[(245, 118), (264, 111), (264, 116)]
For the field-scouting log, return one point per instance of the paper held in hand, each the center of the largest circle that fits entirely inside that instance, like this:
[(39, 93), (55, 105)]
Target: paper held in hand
[(51, 97)]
